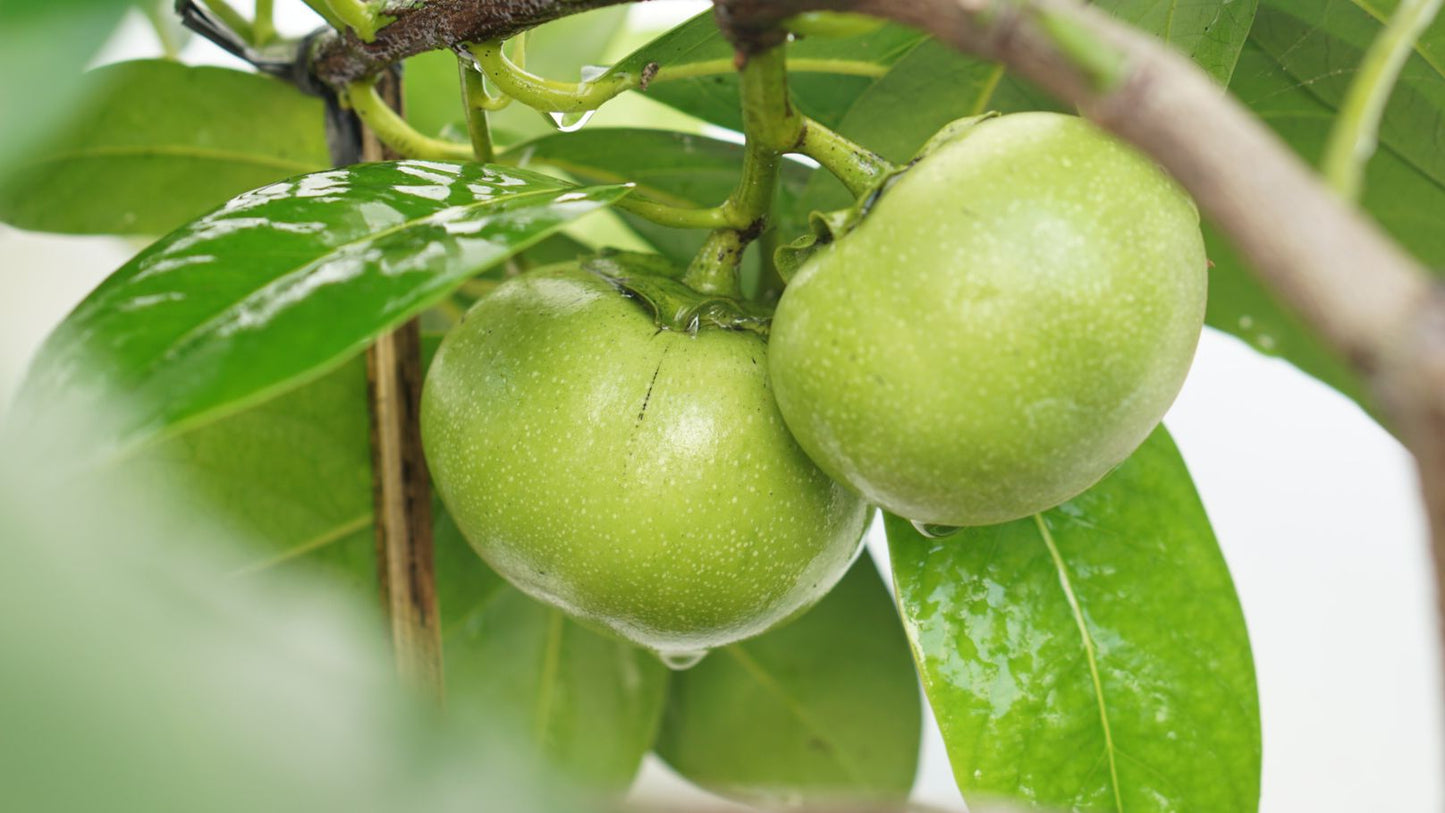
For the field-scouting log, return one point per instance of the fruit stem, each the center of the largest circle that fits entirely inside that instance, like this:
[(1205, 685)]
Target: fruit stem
[(393, 130), (540, 93), (477, 125), (859, 168), (771, 127)]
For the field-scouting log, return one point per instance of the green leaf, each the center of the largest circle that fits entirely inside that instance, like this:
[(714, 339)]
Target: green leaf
[(825, 708), (1300, 59), (677, 169), (294, 475), (587, 703), (162, 144), (43, 49), (825, 72), (286, 282), (1090, 658)]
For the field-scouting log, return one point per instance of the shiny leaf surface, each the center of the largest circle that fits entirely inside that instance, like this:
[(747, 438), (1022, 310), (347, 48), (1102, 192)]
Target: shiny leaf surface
[(286, 281), (824, 708), (1090, 658), (163, 143)]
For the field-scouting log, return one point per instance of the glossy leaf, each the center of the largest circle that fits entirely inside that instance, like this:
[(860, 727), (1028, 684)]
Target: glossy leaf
[(285, 282), (678, 169), (161, 144), (1091, 658), (43, 49), (1301, 57), (823, 709)]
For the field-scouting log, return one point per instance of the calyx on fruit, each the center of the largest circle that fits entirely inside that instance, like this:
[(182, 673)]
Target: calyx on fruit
[(1005, 323), (636, 475)]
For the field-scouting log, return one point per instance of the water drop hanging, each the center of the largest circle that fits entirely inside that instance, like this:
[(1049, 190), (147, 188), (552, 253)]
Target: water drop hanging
[(570, 122), (682, 659), (933, 531)]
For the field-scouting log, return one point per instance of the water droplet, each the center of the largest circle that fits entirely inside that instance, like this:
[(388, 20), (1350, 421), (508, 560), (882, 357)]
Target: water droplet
[(591, 73), (1266, 342), (681, 659), (570, 122), (935, 531)]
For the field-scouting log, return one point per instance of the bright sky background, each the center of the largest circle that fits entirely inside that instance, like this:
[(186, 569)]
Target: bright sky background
[(1313, 503)]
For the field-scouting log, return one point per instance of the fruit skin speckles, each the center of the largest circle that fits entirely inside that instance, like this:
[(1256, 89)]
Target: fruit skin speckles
[(1007, 323), (642, 480)]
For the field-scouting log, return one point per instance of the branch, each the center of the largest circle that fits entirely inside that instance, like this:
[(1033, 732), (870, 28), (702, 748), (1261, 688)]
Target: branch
[(338, 59)]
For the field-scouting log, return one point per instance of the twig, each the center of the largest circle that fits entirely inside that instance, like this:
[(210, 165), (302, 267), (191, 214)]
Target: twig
[(401, 488)]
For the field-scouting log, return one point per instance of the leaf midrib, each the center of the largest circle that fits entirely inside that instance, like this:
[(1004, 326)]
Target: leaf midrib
[(178, 151), (766, 680), (1088, 640)]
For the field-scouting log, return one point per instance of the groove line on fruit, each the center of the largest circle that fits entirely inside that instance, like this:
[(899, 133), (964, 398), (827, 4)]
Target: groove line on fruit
[(758, 673), (1089, 651)]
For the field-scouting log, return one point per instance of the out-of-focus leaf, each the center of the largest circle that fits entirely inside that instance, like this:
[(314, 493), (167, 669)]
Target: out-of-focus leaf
[(1093, 657), (286, 282), (677, 169), (43, 49), (1301, 57), (161, 144), (823, 709), (181, 688)]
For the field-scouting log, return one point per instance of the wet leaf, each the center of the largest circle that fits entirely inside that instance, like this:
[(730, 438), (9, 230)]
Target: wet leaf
[(286, 282), (1093, 657), (823, 709), (161, 144)]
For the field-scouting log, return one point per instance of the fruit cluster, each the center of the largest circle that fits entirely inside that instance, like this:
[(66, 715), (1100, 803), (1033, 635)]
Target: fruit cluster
[(1006, 322)]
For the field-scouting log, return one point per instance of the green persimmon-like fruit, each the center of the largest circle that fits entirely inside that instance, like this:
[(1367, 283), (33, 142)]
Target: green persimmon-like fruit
[(1007, 322), (638, 477)]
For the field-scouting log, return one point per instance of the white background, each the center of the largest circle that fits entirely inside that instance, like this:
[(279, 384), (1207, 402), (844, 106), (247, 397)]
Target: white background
[(1313, 504)]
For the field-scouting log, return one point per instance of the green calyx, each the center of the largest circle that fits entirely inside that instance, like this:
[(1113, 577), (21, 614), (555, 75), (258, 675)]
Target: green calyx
[(653, 283)]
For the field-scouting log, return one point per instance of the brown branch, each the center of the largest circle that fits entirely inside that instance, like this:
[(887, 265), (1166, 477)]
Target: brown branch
[(338, 60), (401, 487)]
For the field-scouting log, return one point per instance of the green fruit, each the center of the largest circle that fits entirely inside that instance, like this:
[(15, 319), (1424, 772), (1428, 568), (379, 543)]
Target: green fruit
[(1007, 323), (638, 477)]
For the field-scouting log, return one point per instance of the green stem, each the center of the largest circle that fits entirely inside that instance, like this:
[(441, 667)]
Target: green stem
[(717, 67), (1355, 134), (771, 127), (165, 32), (233, 19), (358, 16), (394, 132), (325, 12), (265, 26), (546, 94), (858, 168), (679, 217), (477, 125)]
